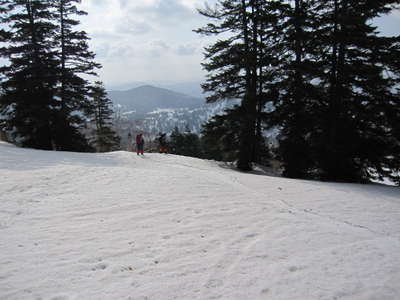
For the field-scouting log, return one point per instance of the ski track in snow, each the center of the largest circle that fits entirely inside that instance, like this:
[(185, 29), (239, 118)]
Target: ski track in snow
[(119, 226)]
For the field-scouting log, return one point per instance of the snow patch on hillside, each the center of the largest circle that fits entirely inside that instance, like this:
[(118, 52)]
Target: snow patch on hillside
[(119, 226), (164, 110)]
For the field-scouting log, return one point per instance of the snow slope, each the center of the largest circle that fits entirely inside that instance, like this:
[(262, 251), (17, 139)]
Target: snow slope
[(118, 226)]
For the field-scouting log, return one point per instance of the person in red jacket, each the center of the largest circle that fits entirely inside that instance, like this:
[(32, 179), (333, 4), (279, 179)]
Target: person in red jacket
[(139, 144)]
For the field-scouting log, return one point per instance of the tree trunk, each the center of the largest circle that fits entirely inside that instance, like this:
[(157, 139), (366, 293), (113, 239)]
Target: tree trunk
[(335, 159), (247, 134)]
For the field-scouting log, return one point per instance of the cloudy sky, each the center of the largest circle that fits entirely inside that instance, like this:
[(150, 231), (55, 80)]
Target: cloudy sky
[(145, 40), (152, 40)]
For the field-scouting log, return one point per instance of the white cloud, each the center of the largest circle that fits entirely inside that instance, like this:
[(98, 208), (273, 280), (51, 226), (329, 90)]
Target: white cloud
[(188, 49), (148, 40), (157, 48), (145, 40), (132, 27)]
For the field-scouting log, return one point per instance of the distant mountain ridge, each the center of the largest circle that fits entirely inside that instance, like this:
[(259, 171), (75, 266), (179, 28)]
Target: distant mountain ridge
[(191, 88), (145, 99), (153, 109)]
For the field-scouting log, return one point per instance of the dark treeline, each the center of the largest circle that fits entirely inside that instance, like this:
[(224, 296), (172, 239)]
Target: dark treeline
[(329, 79), (213, 143), (45, 101)]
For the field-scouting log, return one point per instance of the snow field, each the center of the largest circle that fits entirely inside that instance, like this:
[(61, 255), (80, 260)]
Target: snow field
[(119, 226)]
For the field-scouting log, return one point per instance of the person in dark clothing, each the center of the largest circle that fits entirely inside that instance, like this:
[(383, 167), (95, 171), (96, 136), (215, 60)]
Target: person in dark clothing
[(163, 143), (139, 144)]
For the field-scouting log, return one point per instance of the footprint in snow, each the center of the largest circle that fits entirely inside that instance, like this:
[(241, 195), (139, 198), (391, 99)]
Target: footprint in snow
[(101, 266), (296, 268), (90, 260), (135, 284), (213, 283), (250, 235), (265, 291), (60, 297), (123, 269)]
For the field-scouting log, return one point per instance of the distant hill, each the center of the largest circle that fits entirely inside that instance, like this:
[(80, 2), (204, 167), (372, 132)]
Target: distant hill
[(147, 98), (152, 110), (191, 88)]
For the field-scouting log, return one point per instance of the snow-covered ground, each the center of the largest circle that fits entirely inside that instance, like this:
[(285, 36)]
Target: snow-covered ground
[(119, 226)]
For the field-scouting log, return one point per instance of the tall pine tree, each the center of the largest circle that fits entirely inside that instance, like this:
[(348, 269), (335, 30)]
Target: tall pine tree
[(358, 140), (104, 137), (45, 96), (235, 68), (75, 59), (220, 135), (337, 114), (30, 78), (332, 77)]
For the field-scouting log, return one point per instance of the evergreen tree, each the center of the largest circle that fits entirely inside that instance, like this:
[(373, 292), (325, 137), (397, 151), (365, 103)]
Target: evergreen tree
[(220, 136), (294, 111), (235, 67), (348, 96), (30, 79), (45, 97), (358, 134), (337, 114), (104, 137), (186, 143), (332, 78), (75, 59), (192, 145), (176, 141)]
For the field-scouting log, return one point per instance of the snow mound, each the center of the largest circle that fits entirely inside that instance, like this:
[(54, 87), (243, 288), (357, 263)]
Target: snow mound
[(121, 226)]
